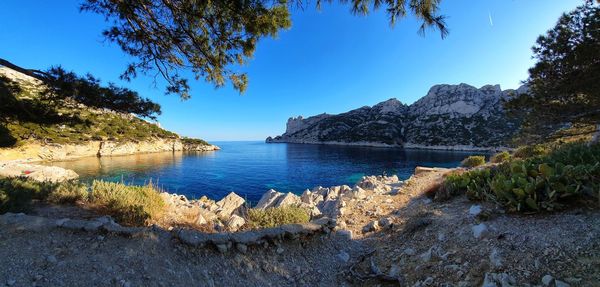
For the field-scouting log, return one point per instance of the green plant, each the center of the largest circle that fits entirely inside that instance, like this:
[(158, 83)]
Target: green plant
[(473, 161), (548, 182), (531, 151), (68, 192), (132, 205), (272, 217), (500, 157), (17, 193)]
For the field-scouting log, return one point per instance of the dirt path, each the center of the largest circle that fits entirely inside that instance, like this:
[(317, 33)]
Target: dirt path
[(418, 243)]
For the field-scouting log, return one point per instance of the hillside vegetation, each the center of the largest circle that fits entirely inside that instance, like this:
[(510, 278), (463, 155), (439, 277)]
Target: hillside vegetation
[(29, 114)]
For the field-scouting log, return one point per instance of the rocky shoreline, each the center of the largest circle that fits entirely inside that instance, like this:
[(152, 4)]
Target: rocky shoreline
[(35, 152), (407, 145)]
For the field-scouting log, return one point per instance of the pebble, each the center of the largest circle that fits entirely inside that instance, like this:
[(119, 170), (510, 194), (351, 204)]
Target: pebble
[(495, 258), (222, 248), (372, 226), (479, 230), (10, 282), (346, 234), (343, 256), (51, 259), (559, 283), (279, 250), (547, 279), (410, 251), (242, 247), (475, 210)]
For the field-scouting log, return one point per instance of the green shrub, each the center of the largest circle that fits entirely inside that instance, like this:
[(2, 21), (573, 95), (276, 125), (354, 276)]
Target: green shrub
[(500, 157), (272, 217), (531, 151), (16, 193), (546, 182), (68, 192), (473, 161), (131, 205)]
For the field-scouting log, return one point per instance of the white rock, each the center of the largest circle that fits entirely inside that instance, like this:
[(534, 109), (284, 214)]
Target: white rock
[(269, 199), (475, 210), (480, 230), (371, 226), (289, 199), (235, 222), (343, 256), (229, 204)]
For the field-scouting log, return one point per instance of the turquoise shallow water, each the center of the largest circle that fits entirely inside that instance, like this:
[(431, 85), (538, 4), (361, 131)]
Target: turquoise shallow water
[(251, 168)]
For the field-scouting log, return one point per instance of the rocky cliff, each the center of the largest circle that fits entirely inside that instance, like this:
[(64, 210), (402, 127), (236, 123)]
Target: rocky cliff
[(459, 117)]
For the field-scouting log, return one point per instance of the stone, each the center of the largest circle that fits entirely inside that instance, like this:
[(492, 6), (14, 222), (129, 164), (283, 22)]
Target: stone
[(409, 251), (11, 282), (371, 226), (386, 222), (394, 270), (547, 279), (498, 279), (343, 256), (289, 199), (269, 199), (36, 172), (307, 198), (51, 259), (495, 258), (426, 256), (235, 222), (229, 204), (474, 210), (222, 248), (200, 220), (243, 248), (346, 234), (480, 230), (559, 283), (279, 250)]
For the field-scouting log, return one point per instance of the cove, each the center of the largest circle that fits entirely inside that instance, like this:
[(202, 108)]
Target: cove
[(251, 168)]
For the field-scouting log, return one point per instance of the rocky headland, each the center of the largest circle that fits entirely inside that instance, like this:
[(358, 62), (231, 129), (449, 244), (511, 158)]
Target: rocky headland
[(449, 117)]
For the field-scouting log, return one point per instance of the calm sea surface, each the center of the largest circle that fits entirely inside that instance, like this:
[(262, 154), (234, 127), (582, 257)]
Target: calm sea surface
[(251, 168)]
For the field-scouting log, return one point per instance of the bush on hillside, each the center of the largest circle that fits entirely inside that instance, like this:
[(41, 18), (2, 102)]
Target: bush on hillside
[(531, 151), (16, 194), (272, 217), (130, 205), (536, 183), (473, 161), (500, 157), (68, 192)]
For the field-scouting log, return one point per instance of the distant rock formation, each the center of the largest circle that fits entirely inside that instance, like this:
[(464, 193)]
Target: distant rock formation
[(457, 117)]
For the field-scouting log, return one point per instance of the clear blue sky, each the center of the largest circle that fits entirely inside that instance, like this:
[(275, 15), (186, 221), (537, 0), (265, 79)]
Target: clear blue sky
[(329, 61)]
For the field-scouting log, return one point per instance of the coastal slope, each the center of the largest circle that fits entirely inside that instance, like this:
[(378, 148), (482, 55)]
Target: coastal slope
[(33, 128), (459, 117)]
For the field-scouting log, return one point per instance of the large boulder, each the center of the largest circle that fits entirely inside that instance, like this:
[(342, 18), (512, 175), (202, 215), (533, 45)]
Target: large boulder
[(36, 172), (289, 199), (229, 205), (269, 199), (235, 222)]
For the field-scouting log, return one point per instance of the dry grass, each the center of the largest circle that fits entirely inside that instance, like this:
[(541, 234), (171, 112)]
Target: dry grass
[(130, 205)]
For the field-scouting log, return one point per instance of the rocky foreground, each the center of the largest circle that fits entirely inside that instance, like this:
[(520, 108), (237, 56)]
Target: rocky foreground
[(381, 232)]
